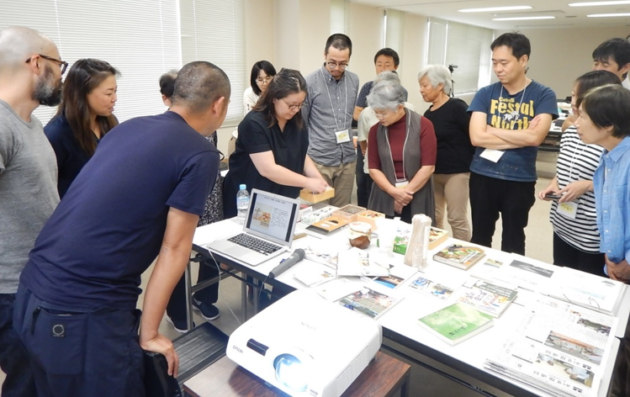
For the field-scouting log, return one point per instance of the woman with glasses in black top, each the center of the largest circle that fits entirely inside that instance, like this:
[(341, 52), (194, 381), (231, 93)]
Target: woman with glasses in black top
[(271, 146)]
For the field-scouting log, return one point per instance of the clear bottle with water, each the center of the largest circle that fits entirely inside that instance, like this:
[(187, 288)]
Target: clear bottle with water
[(242, 203)]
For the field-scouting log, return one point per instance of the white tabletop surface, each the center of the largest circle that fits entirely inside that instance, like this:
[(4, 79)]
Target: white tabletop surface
[(403, 317)]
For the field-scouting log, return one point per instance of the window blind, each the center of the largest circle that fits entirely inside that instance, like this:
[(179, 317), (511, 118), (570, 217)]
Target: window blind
[(468, 47), (437, 41), (394, 30), (140, 38), (337, 16), (212, 30)]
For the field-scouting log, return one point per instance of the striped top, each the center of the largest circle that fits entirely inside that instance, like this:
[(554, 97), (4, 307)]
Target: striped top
[(577, 162)]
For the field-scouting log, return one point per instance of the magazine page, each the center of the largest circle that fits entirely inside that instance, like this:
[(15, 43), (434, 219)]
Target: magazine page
[(526, 273), (398, 275), (337, 288), (490, 298), (436, 287), (371, 300), (356, 262), (559, 348), (314, 275)]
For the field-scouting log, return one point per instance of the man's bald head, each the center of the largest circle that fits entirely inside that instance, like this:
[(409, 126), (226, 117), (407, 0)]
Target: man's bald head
[(18, 43), (200, 84)]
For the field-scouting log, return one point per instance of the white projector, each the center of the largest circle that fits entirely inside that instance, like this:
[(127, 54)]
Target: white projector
[(306, 346)]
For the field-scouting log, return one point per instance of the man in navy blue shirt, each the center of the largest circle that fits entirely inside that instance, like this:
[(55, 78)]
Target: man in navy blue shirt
[(141, 195), (509, 120)]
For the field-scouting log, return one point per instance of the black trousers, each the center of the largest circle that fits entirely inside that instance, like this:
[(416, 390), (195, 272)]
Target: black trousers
[(364, 181), (621, 374), (564, 254), (490, 197), (176, 308)]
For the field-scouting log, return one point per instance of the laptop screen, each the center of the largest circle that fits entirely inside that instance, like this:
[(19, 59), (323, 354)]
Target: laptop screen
[(272, 216)]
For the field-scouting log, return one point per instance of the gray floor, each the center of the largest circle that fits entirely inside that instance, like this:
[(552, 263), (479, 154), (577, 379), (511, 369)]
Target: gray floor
[(424, 382)]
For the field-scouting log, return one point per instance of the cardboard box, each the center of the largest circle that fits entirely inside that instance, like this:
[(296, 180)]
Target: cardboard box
[(370, 217), (316, 198), (349, 212)]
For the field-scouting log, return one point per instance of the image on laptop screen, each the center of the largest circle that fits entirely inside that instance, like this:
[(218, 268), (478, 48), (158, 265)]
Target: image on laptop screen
[(271, 216)]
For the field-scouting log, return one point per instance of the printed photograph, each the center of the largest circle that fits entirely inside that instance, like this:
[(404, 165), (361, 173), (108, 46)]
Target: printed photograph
[(528, 267), (600, 328), (563, 371), (574, 347), (367, 301), (390, 281)]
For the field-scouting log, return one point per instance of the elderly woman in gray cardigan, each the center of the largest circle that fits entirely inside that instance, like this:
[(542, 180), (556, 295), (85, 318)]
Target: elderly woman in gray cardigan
[(402, 150)]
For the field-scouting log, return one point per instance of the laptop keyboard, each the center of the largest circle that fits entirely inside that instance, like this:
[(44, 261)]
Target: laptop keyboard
[(254, 243)]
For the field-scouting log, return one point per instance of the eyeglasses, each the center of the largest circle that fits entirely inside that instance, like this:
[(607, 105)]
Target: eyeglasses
[(381, 114), (62, 64), (335, 65), (293, 107), (265, 80)]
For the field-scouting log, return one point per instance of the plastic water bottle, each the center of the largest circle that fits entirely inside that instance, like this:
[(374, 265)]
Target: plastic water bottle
[(242, 203)]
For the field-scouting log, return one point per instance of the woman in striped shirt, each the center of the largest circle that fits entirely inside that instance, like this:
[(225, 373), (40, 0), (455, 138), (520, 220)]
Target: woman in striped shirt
[(573, 216)]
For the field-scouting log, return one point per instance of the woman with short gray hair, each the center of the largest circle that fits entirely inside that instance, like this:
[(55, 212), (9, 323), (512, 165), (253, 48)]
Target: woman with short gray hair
[(454, 149), (401, 156)]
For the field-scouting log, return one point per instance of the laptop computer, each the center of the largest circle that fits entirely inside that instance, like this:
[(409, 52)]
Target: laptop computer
[(267, 231)]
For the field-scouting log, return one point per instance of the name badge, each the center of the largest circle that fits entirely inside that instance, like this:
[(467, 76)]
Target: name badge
[(343, 136), (568, 209), (401, 184), (492, 155)]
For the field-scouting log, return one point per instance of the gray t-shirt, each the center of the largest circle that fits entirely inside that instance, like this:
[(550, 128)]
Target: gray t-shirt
[(28, 191)]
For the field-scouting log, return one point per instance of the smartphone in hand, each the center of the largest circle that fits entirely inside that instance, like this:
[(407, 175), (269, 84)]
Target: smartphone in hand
[(553, 196)]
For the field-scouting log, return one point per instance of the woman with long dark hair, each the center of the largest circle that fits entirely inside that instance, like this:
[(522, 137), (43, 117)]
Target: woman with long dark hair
[(272, 143), (83, 118)]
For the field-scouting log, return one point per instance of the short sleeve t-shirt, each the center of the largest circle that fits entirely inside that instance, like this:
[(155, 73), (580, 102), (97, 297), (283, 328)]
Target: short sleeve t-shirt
[(288, 147), (109, 227), (28, 191), (512, 112)]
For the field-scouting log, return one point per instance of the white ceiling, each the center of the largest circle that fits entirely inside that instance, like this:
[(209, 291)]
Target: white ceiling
[(566, 17)]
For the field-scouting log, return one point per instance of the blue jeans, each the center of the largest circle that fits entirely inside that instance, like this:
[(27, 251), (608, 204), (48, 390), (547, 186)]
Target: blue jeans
[(80, 351), (14, 359)]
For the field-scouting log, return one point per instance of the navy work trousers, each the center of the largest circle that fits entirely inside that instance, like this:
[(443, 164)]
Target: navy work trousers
[(80, 351)]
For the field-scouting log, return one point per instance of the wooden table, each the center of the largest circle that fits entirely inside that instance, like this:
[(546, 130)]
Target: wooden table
[(382, 378)]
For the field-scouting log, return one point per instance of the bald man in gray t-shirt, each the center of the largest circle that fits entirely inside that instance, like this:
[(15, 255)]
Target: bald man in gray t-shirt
[(28, 191), (30, 75)]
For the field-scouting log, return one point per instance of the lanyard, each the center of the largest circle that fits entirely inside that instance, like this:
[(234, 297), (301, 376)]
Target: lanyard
[(575, 156), (512, 116), (345, 108)]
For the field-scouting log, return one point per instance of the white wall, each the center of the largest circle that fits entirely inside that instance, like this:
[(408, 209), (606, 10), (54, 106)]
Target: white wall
[(412, 58), (559, 56), (365, 29)]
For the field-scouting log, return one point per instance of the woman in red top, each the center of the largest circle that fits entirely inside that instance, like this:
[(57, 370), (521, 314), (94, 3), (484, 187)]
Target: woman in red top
[(402, 150)]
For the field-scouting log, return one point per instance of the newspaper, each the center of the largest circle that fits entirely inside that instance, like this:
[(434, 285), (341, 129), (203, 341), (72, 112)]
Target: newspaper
[(558, 347), (597, 293)]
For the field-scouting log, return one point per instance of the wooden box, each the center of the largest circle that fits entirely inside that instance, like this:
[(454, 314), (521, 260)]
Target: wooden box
[(316, 198)]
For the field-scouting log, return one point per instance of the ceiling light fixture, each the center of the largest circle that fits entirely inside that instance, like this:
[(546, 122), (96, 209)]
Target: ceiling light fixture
[(493, 9), (619, 14), (523, 18), (599, 3)]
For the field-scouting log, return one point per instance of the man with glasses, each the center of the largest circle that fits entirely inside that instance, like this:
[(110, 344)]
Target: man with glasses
[(30, 75), (332, 93)]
